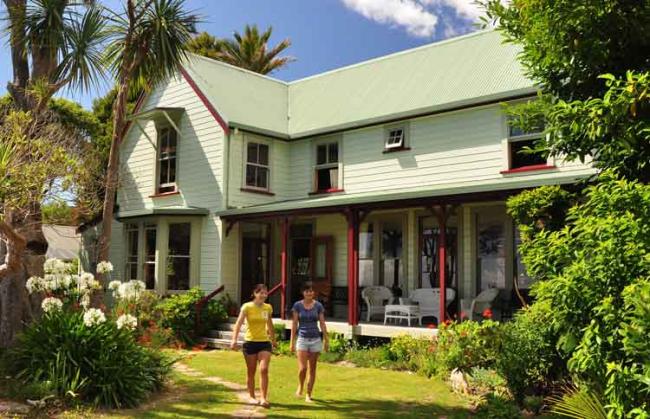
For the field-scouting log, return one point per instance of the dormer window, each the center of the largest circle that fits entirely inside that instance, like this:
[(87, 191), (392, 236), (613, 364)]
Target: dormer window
[(166, 160), (395, 138)]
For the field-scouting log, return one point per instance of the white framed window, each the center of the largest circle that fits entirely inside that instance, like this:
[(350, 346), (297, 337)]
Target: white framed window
[(132, 250), (166, 161), (178, 256), (395, 138), (326, 169), (149, 268), (258, 169), (520, 146)]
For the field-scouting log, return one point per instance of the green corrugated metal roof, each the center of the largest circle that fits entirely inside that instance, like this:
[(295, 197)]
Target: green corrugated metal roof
[(457, 72), (444, 190)]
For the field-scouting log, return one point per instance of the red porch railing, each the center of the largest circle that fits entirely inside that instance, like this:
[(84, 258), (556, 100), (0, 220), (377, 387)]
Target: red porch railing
[(275, 289), (199, 305)]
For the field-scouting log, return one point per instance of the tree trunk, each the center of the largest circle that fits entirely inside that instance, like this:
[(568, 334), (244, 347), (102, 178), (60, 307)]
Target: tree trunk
[(16, 10), (112, 172), (15, 305)]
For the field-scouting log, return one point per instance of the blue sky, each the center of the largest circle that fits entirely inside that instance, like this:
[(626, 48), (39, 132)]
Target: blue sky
[(325, 34)]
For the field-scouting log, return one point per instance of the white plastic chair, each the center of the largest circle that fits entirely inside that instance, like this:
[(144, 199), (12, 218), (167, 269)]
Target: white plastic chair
[(375, 298), (429, 301), (486, 299)]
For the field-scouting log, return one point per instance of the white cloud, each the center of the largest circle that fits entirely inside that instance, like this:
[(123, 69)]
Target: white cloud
[(419, 17), (410, 14)]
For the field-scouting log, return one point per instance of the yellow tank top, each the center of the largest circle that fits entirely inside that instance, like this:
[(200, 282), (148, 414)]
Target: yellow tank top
[(256, 318)]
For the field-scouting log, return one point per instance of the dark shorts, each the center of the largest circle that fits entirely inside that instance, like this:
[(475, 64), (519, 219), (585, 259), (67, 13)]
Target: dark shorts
[(253, 348)]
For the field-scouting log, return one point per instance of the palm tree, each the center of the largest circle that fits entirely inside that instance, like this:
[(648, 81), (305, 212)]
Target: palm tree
[(206, 45), (251, 52), (148, 43)]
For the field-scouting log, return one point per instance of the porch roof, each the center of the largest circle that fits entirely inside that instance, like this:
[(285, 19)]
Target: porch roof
[(449, 193), (174, 210)]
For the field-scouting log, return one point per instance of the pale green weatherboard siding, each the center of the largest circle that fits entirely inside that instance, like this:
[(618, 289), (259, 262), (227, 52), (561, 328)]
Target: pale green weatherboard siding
[(199, 176)]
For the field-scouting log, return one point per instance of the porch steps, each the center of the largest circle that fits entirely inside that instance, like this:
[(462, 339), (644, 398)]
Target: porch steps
[(221, 337)]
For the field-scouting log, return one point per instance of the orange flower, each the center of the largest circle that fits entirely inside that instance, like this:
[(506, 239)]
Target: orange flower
[(463, 315), (487, 313), (431, 326)]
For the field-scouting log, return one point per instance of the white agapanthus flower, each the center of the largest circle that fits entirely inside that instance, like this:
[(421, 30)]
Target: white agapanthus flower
[(35, 284), (93, 317), (55, 266), (66, 281), (104, 267), (128, 321), (87, 282), (130, 290), (51, 304), (85, 301), (114, 285)]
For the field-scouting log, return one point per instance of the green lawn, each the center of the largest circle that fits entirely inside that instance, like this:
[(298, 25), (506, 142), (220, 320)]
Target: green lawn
[(341, 392)]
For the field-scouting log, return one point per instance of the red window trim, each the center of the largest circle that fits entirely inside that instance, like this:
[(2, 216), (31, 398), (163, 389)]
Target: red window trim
[(163, 194), (532, 168), (395, 149), (326, 191), (258, 191)]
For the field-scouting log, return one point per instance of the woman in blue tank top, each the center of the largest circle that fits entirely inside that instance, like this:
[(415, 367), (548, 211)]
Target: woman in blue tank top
[(306, 337)]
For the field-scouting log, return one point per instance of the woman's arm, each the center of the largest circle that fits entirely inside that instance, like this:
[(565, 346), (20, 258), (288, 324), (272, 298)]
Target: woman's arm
[(294, 328), (323, 328), (235, 333), (271, 330)]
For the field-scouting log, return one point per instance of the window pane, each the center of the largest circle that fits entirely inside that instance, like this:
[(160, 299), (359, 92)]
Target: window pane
[(333, 153), (251, 175), (150, 244), (164, 172), (321, 154), (491, 253), (334, 178), (172, 170), (395, 137), (366, 241), (366, 275), (171, 140), (323, 180), (251, 153), (179, 239), (263, 157), (262, 178), (521, 157), (132, 241), (523, 280), (392, 240), (150, 275), (178, 273)]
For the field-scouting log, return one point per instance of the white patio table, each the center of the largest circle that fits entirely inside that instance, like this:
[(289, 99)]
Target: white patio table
[(402, 312)]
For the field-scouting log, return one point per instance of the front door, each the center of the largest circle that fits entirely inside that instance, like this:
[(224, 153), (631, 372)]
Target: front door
[(429, 260), (321, 270), (255, 260)]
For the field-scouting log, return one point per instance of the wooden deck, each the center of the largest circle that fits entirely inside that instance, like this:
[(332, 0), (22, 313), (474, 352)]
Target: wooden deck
[(373, 329)]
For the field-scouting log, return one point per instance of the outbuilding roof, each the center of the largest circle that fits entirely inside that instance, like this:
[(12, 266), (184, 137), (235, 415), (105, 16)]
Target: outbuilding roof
[(462, 71)]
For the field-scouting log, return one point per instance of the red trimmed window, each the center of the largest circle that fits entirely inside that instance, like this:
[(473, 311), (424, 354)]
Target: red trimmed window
[(326, 176), (257, 166), (521, 148), (166, 160)]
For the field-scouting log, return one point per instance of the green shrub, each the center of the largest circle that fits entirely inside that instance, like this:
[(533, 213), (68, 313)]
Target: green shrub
[(339, 344), (279, 330), (497, 407), (533, 403), (466, 345), (377, 357), (484, 381), (528, 359), (593, 273), (179, 314), (99, 364), (410, 353)]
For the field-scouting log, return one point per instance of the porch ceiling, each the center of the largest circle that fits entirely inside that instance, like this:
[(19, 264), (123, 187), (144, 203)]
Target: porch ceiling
[(451, 193), (147, 212)]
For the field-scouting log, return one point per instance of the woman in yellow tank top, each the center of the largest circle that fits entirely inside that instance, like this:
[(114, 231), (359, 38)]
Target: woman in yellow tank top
[(259, 341)]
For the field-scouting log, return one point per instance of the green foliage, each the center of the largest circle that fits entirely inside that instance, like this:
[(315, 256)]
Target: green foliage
[(410, 353), (338, 343), (250, 51), (99, 364), (58, 212), (540, 208), (528, 359), (466, 345), (485, 381), (179, 314), (206, 45), (279, 330), (596, 271), (533, 403), (496, 406), (567, 44), (579, 404), (369, 357)]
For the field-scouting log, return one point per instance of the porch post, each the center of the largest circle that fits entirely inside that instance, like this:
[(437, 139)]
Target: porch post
[(353, 266), (284, 258), (442, 262)]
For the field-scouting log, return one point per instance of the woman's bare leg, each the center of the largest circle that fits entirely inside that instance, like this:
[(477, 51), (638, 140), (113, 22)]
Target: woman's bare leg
[(302, 371), (265, 360), (251, 366), (313, 361)]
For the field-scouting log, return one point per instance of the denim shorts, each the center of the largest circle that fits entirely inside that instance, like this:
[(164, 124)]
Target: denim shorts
[(309, 344)]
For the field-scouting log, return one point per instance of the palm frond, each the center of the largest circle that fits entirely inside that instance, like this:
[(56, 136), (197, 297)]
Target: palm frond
[(578, 404)]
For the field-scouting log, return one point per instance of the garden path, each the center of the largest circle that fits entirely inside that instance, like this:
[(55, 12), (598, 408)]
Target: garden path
[(246, 411)]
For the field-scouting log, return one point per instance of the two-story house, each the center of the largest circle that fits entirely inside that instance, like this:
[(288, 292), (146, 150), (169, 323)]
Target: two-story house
[(375, 174)]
